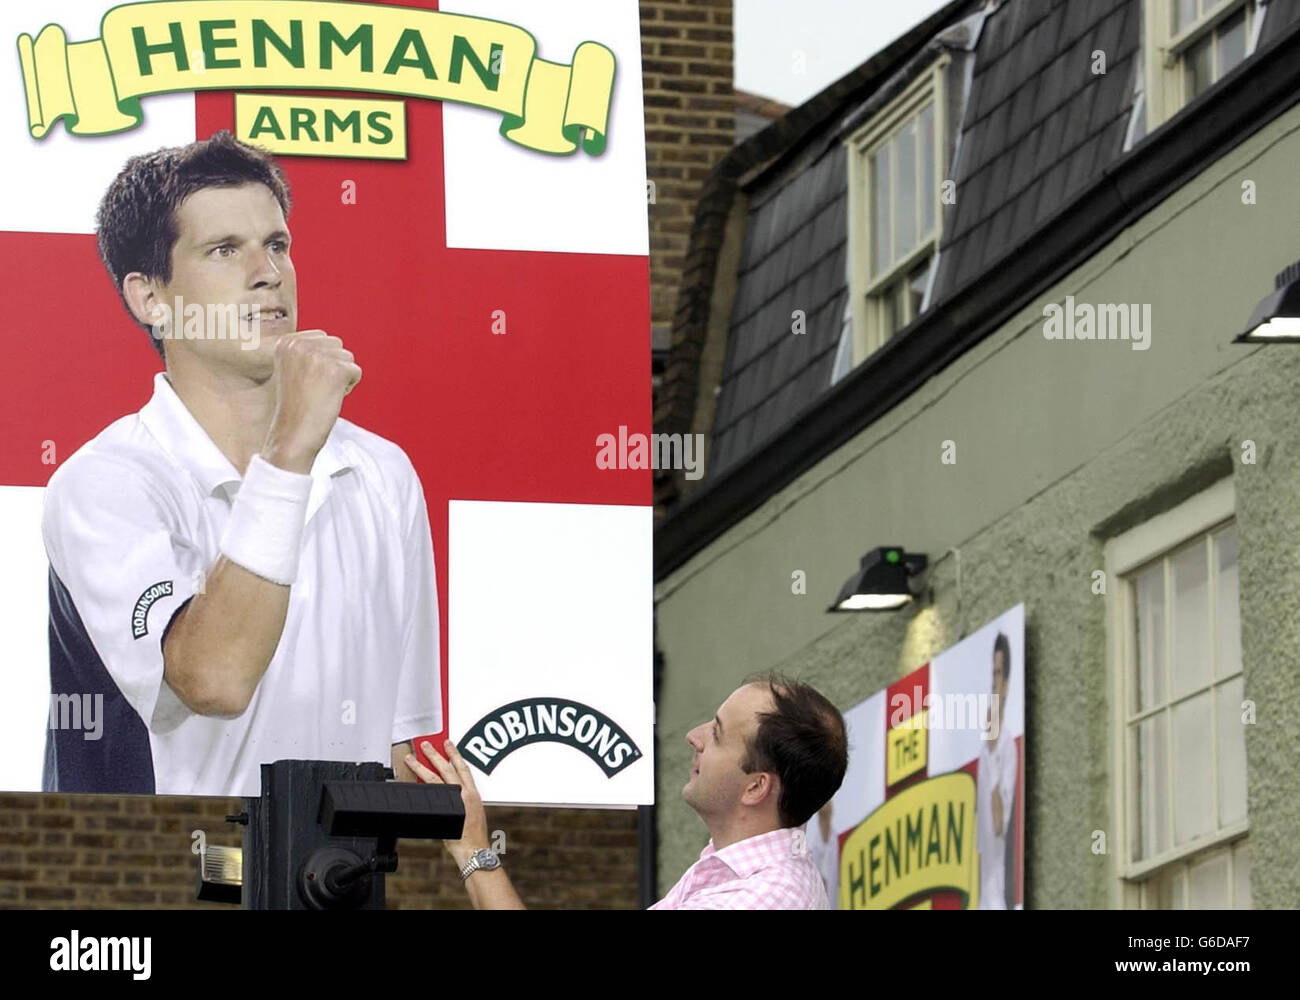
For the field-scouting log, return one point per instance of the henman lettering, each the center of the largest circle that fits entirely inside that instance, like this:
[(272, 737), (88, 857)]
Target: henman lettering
[(188, 45), (912, 842), (918, 842), (554, 720), (411, 48)]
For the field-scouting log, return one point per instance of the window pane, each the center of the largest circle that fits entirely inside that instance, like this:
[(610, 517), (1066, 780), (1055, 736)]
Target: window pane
[(929, 180), (1193, 805), (891, 310), (905, 218), (881, 253), (1227, 617), (916, 282), (1208, 882), (1166, 890), (1191, 652), (1149, 596), (1174, 896), (843, 354), (1241, 899), (1231, 752), (1196, 62), (1230, 37), (1140, 126), (1184, 12), (1151, 831)]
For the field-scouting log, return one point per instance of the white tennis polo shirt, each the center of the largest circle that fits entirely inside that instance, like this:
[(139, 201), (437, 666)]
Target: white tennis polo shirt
[(133, 520)]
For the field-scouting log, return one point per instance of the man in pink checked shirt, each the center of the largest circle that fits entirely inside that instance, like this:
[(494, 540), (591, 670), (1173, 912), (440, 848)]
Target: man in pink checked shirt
[(772, 755)]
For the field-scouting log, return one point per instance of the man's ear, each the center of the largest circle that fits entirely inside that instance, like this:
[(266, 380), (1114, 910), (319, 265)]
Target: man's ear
[(144, 300), (760, 787)]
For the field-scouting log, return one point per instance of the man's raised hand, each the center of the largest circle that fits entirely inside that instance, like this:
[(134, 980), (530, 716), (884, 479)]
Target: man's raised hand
[(313, 372), (452, 770)]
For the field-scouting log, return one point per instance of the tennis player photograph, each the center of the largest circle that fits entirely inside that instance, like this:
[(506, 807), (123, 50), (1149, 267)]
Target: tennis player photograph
[(237, 574)]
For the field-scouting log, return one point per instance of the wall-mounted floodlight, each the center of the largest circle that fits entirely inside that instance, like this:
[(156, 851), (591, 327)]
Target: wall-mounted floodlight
[(1277, 318), (882, 581)]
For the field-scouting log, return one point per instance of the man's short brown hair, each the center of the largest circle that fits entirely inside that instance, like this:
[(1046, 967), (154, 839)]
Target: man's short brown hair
[(803, 742), (136, 222)]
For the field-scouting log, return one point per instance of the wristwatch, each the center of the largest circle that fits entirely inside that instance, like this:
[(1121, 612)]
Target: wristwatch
[(485, 859)]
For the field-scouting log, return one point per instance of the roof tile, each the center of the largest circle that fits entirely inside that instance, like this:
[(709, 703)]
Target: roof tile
[(1052, 197), (1022, 217), (1022, 162), (1051, 140)]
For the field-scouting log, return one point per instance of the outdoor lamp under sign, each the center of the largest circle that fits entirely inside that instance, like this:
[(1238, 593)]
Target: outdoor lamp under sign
[(882, 581), (1277, 318)]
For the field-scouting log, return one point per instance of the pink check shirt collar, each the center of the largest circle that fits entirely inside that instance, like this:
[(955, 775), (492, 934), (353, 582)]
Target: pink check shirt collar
[(770, 871), (755, 853)]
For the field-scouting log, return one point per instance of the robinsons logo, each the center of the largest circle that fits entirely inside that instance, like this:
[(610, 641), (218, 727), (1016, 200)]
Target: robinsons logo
[(551, 720), (140, 613)]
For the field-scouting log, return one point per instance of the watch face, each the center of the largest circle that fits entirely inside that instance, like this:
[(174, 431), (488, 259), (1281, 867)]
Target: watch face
[(488, 859)]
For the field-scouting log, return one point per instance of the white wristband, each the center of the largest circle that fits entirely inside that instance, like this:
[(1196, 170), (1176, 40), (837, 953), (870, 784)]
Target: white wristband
[(264, 533)]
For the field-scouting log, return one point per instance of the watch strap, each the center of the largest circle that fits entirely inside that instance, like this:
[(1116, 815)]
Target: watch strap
[(476, 863)]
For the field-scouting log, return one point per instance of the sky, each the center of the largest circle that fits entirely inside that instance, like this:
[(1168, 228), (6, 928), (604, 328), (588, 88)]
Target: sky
[(792, 49)]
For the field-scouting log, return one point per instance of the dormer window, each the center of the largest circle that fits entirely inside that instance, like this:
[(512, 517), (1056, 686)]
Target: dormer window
[(894, 223), (1191, 45)]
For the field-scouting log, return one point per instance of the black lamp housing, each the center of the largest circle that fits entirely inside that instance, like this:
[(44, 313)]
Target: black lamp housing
[(882, 581), (1276, 320)]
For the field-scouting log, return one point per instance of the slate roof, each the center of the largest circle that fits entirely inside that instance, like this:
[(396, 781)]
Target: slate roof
[(1037, 127), (678, 399), (793, 258), (1281, 15), (1039, 124)]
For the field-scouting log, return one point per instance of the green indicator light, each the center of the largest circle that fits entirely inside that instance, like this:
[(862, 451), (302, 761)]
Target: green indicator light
[(892, 555)]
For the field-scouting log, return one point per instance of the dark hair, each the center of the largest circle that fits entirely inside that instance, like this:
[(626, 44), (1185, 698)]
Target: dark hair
[(1002, 645), (136, 222), (803, 742)]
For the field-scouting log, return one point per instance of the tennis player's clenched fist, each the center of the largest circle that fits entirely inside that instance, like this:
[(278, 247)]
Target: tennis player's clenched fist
[(313, 372)]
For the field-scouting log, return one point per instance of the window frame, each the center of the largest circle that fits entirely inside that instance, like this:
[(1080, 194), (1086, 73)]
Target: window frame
[(864, 289), (1163, 52), (1153, 539)]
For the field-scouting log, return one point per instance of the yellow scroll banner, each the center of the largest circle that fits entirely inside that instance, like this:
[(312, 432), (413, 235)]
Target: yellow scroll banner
[(919, 842), (189, 45)]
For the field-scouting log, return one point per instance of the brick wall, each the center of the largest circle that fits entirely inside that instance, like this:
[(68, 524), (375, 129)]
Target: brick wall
[(135, 851), (687, 68), (111, 851)]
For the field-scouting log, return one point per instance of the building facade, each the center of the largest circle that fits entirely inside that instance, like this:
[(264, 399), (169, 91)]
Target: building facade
[(981, 304)]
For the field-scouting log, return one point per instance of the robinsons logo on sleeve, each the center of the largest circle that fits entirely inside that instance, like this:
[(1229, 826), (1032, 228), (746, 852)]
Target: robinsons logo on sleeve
[(140, 613), (552, 720)]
